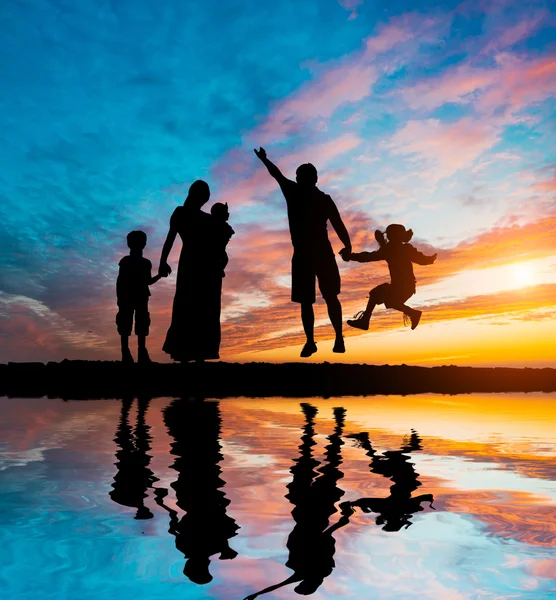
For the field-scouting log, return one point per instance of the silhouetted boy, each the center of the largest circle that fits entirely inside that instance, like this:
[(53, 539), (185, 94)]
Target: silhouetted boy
[(224, 232), (400, 256), (132, 289)]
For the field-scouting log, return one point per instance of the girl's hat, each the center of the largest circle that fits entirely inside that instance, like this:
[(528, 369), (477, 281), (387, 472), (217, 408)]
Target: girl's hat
[(397, 232)]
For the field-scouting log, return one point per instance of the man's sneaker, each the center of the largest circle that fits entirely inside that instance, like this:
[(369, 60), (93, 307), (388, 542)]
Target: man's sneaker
[(127, 359), (359, 321), (339, 346), (309, 349), (415, 318)]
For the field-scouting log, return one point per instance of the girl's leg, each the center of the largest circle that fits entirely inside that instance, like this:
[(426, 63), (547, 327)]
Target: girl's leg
[(376, 296), (412, 313)]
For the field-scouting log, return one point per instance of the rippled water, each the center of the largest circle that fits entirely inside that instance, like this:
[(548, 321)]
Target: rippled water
[(383, 497)]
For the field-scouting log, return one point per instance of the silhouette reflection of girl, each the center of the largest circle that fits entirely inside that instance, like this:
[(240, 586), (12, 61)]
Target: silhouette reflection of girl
[(133, 476), (205, 528), (395, 511), (194, 333), (311, 544)]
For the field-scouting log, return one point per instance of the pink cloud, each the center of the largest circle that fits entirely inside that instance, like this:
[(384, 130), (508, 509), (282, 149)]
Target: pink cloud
[(447, 147), (351, 6), (338, 86), (514, 34)]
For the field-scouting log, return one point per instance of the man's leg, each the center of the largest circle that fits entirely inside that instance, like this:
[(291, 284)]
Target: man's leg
[(308, 320), (335, 315)]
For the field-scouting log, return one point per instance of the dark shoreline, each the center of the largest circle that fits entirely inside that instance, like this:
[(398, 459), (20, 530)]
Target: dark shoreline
[(98, 379)]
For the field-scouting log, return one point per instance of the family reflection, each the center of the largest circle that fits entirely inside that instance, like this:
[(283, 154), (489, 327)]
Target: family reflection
[(205, 529), (133, 476)]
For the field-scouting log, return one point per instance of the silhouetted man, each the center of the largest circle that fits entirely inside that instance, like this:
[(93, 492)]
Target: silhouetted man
[(309, 211)]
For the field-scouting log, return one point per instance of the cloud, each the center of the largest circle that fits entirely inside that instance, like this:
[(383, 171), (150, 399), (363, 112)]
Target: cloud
[(351, 6), (445, 147)]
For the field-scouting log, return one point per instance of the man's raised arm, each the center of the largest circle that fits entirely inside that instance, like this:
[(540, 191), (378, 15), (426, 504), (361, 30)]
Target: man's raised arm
[(272, 168)]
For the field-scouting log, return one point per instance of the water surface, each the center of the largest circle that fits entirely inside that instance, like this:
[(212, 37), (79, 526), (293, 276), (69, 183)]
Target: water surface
[(425, 496)]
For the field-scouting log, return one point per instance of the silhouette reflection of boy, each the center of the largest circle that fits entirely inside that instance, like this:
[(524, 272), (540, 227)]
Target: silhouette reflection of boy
[(311, 544), (205, 529), (394, 512), (132, 289), (133, 476)]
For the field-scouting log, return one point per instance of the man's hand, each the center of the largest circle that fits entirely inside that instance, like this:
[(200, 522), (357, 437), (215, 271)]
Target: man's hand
[(261, 153), (379, 237), (164, 269), (345, 253), (433, 258)]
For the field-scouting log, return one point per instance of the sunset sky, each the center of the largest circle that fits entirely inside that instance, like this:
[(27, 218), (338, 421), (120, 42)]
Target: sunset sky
[(436, 115)]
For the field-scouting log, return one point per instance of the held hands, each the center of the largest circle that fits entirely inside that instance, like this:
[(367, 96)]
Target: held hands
[(433, 257), (345, 253), (164, 269), (261, 153)]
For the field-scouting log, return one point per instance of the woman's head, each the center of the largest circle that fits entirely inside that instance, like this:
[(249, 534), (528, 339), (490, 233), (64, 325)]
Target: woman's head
[(199, 194), (398, 233)]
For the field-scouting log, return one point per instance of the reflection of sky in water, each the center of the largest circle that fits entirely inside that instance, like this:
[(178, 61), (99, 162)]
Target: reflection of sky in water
[(492, 534)]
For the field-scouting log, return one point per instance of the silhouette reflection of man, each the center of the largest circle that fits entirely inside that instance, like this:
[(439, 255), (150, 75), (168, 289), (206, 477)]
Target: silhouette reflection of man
[(395, 511), (205, 529), (311, 543), (133, 476), (309, 211)]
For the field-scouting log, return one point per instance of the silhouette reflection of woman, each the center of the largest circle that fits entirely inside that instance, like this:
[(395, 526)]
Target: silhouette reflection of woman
[(311, 544), (133, 476), (205, 528), (395, 511), (194, 333)]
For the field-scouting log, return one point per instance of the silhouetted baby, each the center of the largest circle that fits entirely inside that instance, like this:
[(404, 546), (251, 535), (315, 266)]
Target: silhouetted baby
[(400, 256), (223, 232), (132, 289)]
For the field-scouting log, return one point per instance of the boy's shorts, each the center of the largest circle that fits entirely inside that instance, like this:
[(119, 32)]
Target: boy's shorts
[(124, 318), (390, 295), (305, 272)]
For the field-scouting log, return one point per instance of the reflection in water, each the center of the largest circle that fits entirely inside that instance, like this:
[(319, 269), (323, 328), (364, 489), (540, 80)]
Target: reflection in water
[(205, 528), (311, 544), (133, 476), (396, 510)]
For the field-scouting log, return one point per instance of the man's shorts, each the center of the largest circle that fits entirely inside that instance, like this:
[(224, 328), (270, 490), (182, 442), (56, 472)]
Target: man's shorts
[(124, 318), (390, 295), (305, 270)]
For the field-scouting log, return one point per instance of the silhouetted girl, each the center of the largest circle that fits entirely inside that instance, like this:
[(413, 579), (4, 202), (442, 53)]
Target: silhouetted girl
[(399, 254)]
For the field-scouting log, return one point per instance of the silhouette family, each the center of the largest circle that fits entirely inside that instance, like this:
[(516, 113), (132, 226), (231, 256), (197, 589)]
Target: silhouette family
[(194, 333), (198, 518)]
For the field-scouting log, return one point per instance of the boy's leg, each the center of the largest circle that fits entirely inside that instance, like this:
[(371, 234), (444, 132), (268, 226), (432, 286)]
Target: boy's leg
[(124, 321), (142, 323)]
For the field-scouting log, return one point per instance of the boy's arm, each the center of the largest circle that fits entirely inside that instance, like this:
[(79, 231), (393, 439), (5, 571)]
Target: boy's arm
[(419, 258), (155, 278), (272, 168)]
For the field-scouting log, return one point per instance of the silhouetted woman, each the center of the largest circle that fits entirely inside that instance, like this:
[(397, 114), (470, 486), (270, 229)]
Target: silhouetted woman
[(206, 528), (194, 333)]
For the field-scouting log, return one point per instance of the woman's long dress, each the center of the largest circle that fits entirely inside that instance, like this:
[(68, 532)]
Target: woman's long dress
[(194, 333)]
